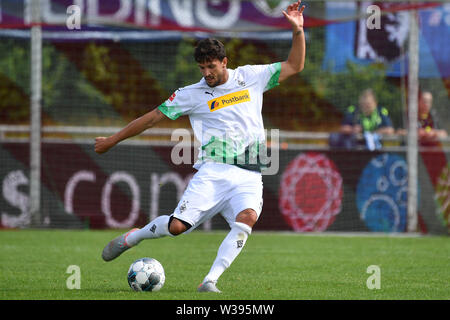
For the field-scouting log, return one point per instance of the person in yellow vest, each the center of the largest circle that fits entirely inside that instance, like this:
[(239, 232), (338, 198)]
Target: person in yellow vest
[(367, 119)]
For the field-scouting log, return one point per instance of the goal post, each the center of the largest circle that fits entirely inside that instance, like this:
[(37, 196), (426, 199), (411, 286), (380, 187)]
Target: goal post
[(412, 151), (35, 114)]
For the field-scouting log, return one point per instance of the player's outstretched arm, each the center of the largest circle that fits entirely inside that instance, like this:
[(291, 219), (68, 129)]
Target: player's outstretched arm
[(296, 59), (135, 127)]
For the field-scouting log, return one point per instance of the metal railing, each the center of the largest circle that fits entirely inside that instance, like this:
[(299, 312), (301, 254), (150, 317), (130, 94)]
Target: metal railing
[(295, 140)]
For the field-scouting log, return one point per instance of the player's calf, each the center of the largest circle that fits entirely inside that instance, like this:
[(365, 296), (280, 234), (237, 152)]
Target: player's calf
[(229, 249)]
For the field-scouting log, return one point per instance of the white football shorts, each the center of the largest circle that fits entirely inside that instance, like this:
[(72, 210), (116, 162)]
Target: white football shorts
[(220, 188)]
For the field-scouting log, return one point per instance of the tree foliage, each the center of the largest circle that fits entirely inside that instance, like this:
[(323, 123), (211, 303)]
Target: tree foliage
[(105, 82)]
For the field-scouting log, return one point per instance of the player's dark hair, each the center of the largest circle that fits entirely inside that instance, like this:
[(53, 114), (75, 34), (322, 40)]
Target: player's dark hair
[(208, 50)]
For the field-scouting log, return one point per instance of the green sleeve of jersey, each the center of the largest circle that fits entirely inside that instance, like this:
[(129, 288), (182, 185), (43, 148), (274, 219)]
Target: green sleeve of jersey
[(171, 112), (275, 70)]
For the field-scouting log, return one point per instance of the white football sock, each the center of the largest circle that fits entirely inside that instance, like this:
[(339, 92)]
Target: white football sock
[(229, 249), (157, 228)]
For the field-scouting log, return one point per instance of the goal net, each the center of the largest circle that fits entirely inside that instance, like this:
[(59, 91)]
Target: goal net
[(105, 63)]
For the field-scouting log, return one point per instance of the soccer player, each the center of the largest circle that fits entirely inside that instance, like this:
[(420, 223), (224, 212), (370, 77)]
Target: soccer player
[(224, 109)]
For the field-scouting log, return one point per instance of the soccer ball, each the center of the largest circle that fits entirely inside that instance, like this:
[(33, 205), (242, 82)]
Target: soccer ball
[(146, 274)]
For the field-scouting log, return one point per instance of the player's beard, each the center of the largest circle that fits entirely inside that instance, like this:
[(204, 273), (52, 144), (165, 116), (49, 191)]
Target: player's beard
[(214, 81)]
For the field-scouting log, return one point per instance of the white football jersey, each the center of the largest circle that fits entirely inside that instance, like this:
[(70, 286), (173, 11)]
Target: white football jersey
[(227, 119)]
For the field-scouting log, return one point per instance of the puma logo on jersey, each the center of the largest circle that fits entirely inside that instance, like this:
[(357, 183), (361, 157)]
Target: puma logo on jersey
[(229, 100)]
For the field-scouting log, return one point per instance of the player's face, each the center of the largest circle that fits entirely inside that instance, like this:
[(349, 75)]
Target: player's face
[(215, 72)]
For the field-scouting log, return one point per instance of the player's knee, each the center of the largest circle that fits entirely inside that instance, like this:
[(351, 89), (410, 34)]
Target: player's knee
[(247, 216), (177, 227)]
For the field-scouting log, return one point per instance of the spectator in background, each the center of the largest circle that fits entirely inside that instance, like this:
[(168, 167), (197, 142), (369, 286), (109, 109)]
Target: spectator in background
[(367, 119), (428, 121), (429, 128)]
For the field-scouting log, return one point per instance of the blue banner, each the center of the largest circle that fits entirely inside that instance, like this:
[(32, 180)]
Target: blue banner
[(350, 38)]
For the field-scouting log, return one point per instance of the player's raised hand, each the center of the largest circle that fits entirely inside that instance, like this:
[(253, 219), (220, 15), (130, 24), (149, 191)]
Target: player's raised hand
[(294, 14), (102, 144)]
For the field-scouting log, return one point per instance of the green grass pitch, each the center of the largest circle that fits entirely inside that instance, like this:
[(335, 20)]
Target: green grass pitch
[(272, 266)]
